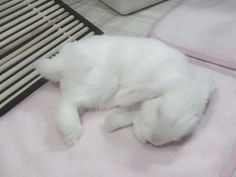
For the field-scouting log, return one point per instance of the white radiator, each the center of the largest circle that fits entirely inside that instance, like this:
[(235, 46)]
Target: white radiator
[(30, 29)]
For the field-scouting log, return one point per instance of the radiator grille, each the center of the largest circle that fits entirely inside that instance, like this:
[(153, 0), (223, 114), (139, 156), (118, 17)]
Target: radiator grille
[(30, 29)]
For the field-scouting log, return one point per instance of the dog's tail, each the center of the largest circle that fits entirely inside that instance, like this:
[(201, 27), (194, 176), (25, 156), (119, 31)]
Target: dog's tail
[(49, 68)]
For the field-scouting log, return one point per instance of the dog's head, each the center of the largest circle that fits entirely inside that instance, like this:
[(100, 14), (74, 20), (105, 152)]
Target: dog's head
[(172, 115)]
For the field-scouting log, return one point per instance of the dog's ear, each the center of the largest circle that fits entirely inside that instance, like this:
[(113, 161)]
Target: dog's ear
[(137, 93)]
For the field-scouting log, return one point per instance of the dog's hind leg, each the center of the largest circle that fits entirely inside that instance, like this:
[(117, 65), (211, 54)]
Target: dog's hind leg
[(118, 119)]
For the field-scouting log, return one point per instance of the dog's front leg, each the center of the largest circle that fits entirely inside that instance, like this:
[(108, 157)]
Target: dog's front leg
[(68, 121)]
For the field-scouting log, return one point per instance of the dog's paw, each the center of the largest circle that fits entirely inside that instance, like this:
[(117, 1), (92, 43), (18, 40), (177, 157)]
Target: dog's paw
[(72, 135), (118, 119), (139, 136), (110, 124), (141, 131), (70, 132)]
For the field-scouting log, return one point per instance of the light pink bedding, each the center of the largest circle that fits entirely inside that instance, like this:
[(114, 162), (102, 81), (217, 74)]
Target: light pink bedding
[(31, 147), (204, 29)]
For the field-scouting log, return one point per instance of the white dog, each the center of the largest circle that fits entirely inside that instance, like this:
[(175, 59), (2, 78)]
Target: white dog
[(148, 81)]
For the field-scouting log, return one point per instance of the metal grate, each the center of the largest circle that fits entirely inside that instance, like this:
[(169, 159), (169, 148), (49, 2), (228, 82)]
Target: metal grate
[(30, 29)]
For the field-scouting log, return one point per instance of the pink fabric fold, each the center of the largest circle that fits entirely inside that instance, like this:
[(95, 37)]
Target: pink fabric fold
[(204, 29), (31, 146)]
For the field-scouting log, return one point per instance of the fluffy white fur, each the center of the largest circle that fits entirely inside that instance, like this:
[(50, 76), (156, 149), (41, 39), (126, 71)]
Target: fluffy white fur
[(148, 81)]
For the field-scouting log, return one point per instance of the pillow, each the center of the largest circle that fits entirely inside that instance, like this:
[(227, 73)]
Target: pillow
[(201, 29)]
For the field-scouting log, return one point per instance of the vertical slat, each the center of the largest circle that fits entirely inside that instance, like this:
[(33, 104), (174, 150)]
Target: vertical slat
[(18, 84), (32, 29), (20, 18), (35, 40), (19, 92), (56, 17), (4, 1), (28, 21), (29, 28), (34, 73), (21, 11), (9, 4), (39, 45), (27, 52), (28, 69), (14, 8), (38, 53)]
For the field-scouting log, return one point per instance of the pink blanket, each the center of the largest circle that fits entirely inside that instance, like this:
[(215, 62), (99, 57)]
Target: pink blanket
[(31, 147), (204, 29)]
